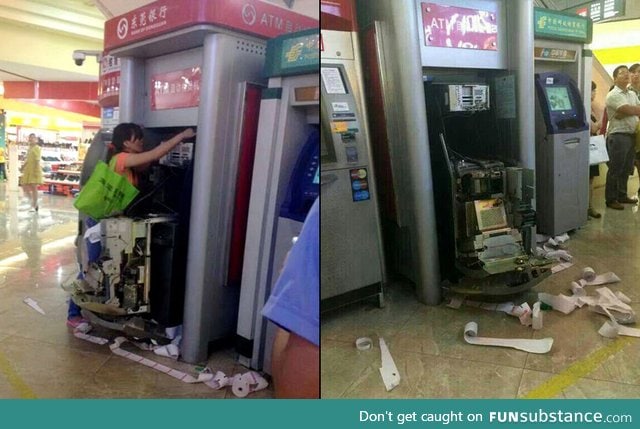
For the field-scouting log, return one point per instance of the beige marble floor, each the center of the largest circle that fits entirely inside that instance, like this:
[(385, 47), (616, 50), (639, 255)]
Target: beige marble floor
[(39, 357), (434, 361)]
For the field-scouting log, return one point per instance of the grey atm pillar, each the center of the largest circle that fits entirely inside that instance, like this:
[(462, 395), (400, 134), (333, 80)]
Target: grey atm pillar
[(562, 155)]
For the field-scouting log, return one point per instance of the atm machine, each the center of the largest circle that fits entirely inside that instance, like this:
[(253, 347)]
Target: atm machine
[(285, 182), (563, 86), (562, 154), (450, 82), (351, 242), (194, 64)]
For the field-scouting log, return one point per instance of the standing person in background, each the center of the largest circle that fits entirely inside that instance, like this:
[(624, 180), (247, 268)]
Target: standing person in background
[(294, 305), (32, 172), (634, 78), (594, 170), (3, 160), (634, 85), (623, 108)]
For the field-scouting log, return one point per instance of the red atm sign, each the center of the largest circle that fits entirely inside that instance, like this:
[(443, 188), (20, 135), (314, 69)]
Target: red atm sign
[(255, 17), (459, 27)]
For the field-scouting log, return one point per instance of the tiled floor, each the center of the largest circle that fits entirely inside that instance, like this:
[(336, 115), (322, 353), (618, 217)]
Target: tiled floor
[(434, 361), (39, 357)]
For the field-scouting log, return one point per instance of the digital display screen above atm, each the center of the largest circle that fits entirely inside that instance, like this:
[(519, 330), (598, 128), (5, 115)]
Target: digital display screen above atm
[(558, 97)]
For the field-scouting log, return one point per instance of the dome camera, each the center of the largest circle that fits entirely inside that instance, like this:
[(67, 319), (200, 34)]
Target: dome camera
[(79, 57)]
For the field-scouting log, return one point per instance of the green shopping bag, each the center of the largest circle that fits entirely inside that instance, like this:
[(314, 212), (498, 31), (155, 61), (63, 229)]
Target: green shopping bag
[(106, 193)]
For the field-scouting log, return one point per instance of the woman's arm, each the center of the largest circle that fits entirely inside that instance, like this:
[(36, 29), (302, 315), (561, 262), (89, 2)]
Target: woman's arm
[(135, 159)]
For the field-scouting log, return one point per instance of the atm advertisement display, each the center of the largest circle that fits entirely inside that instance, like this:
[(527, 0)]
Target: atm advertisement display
[(558, 97)]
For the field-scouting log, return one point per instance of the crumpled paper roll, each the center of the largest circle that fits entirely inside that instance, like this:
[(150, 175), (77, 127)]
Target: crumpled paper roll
[(588, 274)]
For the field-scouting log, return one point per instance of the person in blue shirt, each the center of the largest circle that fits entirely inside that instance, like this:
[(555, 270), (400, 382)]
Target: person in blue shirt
[(294, 305)]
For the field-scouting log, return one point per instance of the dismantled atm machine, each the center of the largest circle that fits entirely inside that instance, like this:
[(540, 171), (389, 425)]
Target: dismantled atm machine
[(198, 66), (136, 282), (486, 221), (117, 290)]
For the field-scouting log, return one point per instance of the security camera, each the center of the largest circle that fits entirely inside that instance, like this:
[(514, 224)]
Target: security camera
[(80, 55)]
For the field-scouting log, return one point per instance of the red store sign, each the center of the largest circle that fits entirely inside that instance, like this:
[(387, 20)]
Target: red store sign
[(176, 89), (459, 27)]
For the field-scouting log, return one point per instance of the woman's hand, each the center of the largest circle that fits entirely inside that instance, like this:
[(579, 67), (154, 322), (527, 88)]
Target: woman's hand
[(188, 133)]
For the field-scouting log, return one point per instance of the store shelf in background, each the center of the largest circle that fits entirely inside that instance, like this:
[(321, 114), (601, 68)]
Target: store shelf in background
[(64, 179), (60, 188)]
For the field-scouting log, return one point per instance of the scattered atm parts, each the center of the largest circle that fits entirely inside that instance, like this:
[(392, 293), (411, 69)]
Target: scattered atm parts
[(493, 222), (128, 287)]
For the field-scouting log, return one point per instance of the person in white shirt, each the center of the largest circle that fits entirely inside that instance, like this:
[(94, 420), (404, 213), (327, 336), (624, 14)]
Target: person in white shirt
[(623, 108)]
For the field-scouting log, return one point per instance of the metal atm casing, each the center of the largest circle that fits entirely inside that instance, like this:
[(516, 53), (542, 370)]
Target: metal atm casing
[(287, 137), (351, 245), (225, 38), (562, 154)]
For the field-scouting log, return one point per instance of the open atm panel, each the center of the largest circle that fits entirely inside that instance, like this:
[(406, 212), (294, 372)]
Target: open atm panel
[(484, 227)]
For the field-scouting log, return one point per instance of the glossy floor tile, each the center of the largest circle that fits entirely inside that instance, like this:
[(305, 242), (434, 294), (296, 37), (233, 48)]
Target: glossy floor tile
[(39, 356), (434, 361)]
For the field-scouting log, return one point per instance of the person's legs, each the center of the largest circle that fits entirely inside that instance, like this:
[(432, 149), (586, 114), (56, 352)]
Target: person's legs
[(618, 174), (629, 160), (34, 196), (611, 184), (74, 315), (592, 212)]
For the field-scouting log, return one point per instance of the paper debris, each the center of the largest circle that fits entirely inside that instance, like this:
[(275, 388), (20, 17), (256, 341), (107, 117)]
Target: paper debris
[(560, 267), (622, 297), (455, 303), (90, 338), (388, 370), (588, 274), (170, 350), (611, 329), (562, 303), (601, 279), (609, 304), (246, 383), (33, 304), (364, 343), (577, 289), (541, 238), (522, 311), (536, 316), (531, 346), (559, 255), (241, 384)]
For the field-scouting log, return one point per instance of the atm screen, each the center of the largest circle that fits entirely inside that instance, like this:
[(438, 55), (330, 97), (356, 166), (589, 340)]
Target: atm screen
[(558, 97), (316, 178)]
